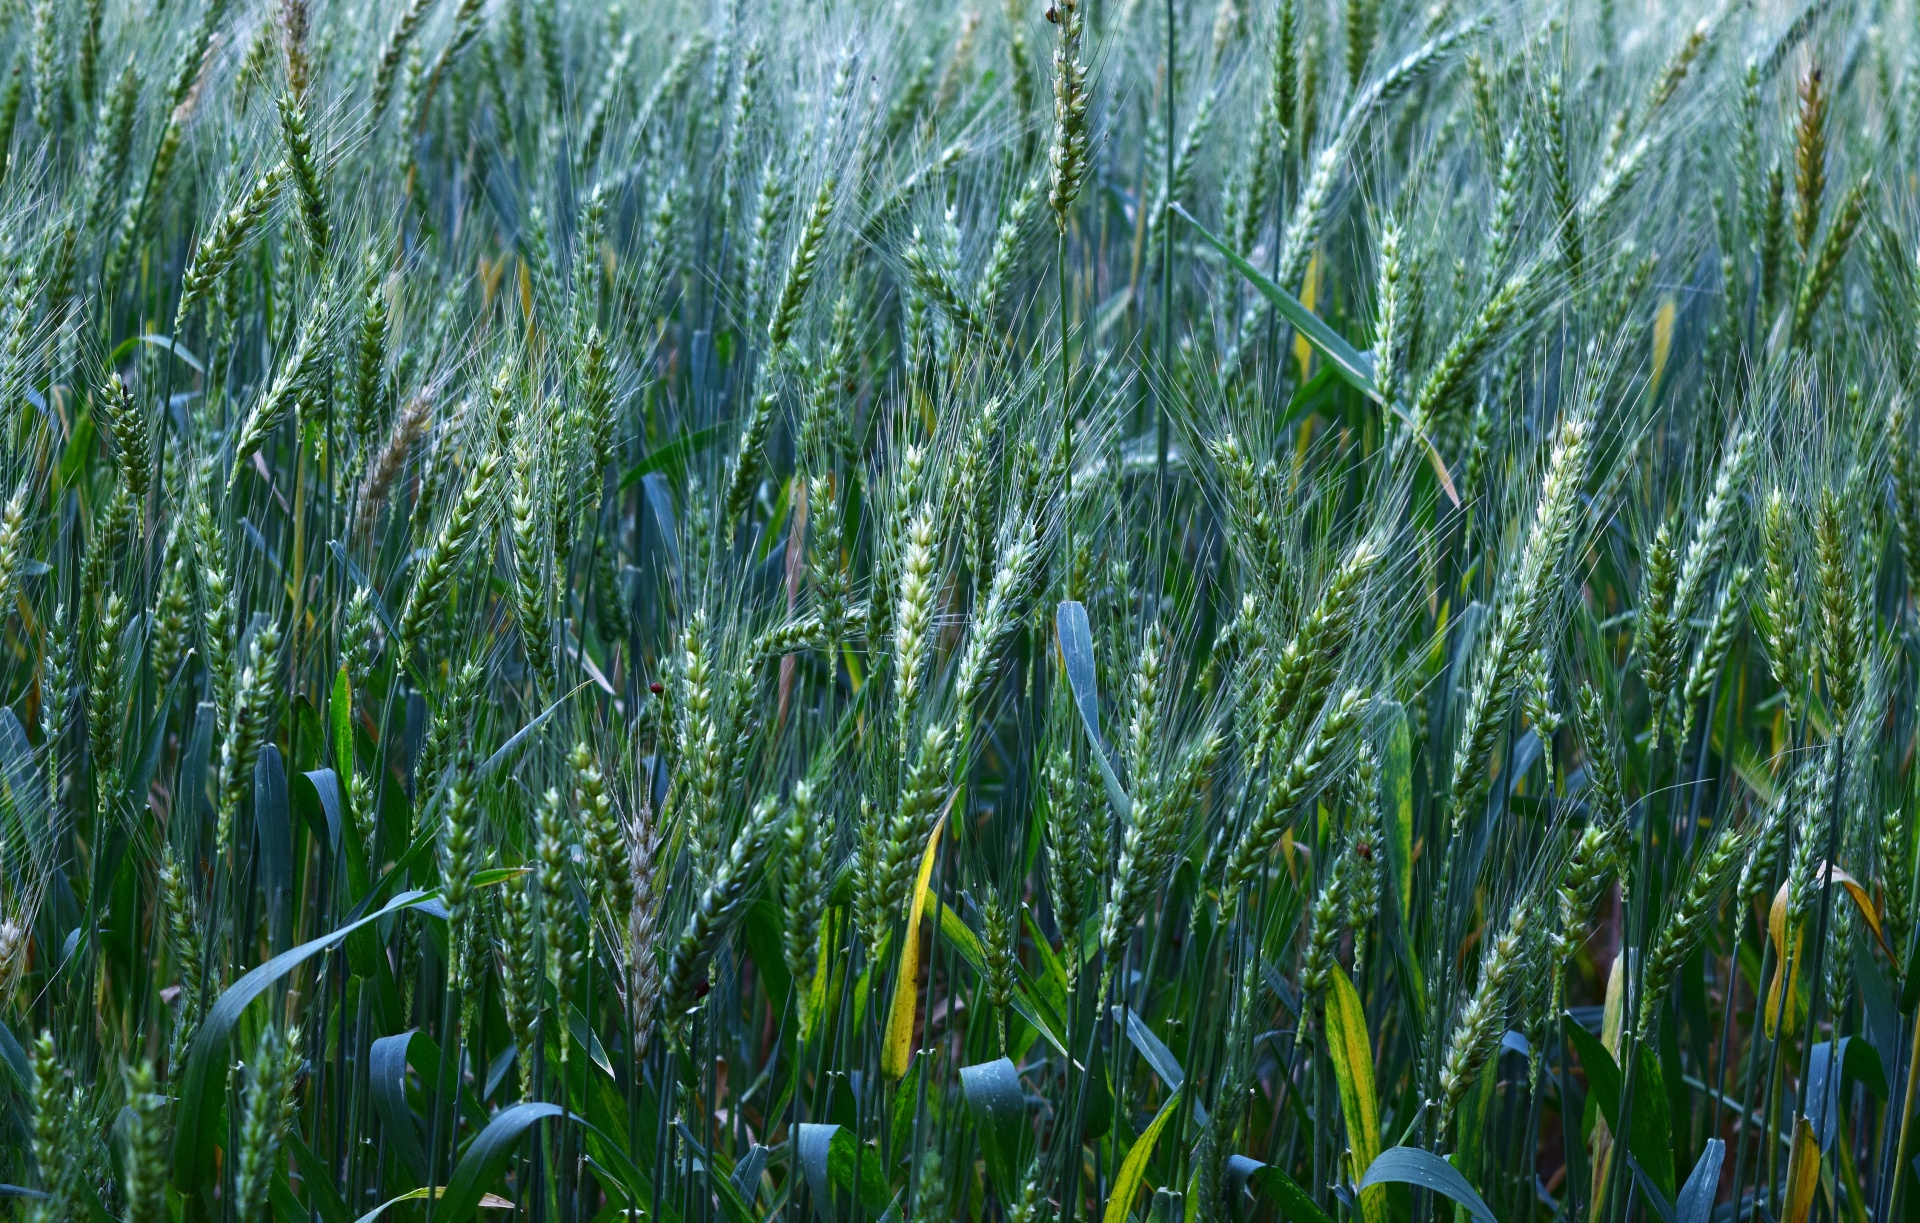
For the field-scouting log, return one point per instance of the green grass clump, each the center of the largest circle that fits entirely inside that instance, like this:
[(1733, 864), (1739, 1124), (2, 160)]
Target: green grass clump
[(1291, 610)]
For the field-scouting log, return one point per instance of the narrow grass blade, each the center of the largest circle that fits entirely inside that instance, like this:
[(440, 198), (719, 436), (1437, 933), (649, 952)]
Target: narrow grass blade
[(673, 456), (1133, 1169), (1424, 1169), (1353, 365), (1076, 652), (999, 1109), (906, 982), (1396, 801), (1803, 1173), (1295, 1204), (387, 1084), (487, 1157), (205, 1080), (1351, 1050), (1696, 1196)]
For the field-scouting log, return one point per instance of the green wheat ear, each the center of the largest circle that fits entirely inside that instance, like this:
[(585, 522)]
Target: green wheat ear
[(519, 519)]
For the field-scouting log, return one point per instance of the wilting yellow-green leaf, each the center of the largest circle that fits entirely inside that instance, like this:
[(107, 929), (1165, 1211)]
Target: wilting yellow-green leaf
[(1352, 1053), (1133, 1169), (1803, 1173), (814, 999), (1600, 1145), (1613, 1012), (906, 982)]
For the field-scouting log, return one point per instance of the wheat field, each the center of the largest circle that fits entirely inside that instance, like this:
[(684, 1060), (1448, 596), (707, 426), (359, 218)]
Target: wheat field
[(1181, 610)]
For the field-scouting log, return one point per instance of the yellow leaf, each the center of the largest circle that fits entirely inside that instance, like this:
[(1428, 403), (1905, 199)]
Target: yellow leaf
[(1776, 928), (1309, 293), (906, 982), (1133, 1169), (1610, 1013), (1803, 1173), (1786, 968), (1864, 903), (1352, 1053), (1662, 339), (488, 1201)]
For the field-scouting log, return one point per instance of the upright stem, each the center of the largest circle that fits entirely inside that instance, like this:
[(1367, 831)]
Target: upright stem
[(1166, 291), (1905, 1150), (1066, 414), (1753, 1070), (1824, 925)]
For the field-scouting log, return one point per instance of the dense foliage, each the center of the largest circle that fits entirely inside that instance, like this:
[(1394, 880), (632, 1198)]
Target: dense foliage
[(1269, 609)]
